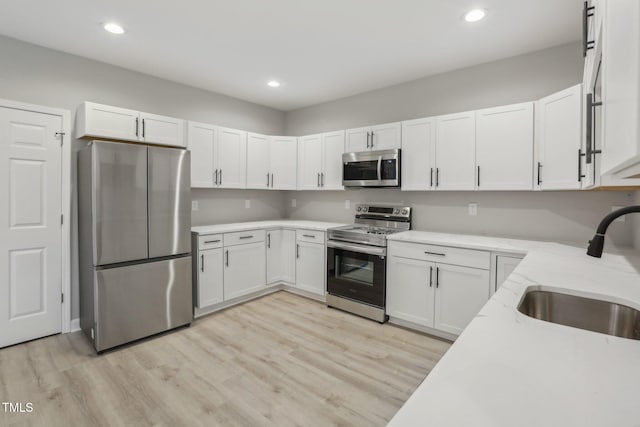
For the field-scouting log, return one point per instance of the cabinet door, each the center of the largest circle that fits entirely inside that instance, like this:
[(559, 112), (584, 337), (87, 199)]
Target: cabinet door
[(558, 140), (460, 294), (274, 256), (456, 152), (245, 269), (309, 162), (284, 155), (357, 139), (332, 150), (162, 130), (386, 136), (410, 290), (504, 147), (258, 168), (210, 284), (310, 267), (504, 267), (201, 139), (109, 122), (418, 154), (232, 158)]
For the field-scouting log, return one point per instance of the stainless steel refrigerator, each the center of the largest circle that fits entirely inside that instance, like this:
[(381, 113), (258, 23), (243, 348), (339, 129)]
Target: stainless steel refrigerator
[(134, 208)]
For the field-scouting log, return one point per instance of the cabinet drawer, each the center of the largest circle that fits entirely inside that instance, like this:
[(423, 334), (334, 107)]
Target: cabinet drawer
[(209, 241), (243, 237), (310, 236), (442, 254)]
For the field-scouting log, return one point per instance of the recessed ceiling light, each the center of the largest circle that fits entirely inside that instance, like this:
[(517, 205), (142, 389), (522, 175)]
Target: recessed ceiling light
[(114, 28), (273, 83), (474, 15)]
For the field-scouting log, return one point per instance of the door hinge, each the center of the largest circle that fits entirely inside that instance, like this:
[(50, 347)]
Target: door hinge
[(62, 298), (61, 134)]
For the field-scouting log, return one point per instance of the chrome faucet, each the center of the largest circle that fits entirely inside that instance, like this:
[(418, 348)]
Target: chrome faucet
[(597, 243)]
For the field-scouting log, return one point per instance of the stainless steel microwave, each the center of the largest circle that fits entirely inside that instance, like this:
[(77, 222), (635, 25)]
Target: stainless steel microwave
[(371, 169)]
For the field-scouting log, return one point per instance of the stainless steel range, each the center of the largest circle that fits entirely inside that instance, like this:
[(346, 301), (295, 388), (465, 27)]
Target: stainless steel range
[(356, 260)]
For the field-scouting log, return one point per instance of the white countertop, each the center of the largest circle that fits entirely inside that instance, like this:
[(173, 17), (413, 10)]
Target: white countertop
[(507, 369), (257, 225)]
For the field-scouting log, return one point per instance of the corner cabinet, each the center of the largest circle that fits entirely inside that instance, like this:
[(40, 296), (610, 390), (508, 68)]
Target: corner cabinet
[(320, 161), (271, 162), (105, 121), (281, 257)]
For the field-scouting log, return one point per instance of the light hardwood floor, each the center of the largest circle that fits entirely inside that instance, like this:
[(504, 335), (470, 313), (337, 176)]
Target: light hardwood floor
[(279, 360)]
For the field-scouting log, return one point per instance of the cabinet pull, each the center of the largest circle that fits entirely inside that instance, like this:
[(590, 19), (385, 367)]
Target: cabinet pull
[(297, 251), (437, 177), (202, 263), (587, 12), (220, 177), (435, 253), (430, 277), (321, 179), (431, 178), (371, 139), (590, 150), (580, 156), (271, 180), (267, 180), (246, 237), (311, 236), (539, 167), (212, 241), (478, 176), (368, 139), (269, 241), (137, 120), (143, 128), (226, 253), (437, 277), (318, 180)]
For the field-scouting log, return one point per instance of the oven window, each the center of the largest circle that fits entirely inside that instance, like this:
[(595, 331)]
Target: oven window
[(354, 270)]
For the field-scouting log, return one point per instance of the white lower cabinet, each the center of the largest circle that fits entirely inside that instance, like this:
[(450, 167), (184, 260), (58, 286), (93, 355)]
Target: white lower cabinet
[(210, 278), (244, 269), (433, 294), (310, 267), (281, 257)]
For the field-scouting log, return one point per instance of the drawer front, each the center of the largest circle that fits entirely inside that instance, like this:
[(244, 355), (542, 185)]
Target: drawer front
[(209, 241), (243, 237), (442, 254), (310, 236)]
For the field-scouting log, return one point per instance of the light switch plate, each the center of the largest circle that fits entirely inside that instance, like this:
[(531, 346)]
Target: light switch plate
[(194, 205), (473, 209), (293, 203), (347, 204), (247, 203)]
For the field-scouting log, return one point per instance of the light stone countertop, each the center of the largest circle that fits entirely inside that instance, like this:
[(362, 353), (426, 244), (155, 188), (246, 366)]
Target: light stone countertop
[(263, 225), (507, 369)]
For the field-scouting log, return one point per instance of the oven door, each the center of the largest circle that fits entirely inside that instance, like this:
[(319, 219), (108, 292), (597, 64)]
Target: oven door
[(357, 272), (371, 169)]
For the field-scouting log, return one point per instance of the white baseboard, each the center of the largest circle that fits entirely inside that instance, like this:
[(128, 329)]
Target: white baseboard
[(75, 325)]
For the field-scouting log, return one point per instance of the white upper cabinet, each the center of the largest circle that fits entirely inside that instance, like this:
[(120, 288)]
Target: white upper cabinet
[(558, 140), (320, 161), (418, 154), (456, 152), (231, 158), (621, 88), (258, 171), (283, 162), (202, 140), (504, 147), (378, 137), (105, 121)]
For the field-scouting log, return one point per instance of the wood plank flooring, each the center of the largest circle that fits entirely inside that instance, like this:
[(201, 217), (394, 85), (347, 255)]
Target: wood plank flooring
[(281, 360)]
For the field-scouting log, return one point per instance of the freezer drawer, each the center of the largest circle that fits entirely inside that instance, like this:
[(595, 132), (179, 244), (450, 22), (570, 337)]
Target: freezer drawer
[(139, 300)]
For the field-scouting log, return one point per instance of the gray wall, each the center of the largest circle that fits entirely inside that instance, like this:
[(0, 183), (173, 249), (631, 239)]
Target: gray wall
[(518, 79), (47, 77), (570, 216), (223, 206)]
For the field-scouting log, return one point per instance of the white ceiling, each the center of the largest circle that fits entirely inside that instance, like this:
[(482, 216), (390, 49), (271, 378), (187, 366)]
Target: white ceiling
[(319, 49)]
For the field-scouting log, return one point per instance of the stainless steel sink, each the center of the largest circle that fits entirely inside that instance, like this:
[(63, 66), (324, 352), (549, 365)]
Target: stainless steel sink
[(583, 313)]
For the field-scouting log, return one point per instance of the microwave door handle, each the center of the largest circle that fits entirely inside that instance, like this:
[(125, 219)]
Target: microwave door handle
[(379, 168)]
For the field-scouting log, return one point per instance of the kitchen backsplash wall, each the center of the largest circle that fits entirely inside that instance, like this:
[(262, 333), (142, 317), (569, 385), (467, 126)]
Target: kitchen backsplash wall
[(216, 206), (517, 79), (570, 216)]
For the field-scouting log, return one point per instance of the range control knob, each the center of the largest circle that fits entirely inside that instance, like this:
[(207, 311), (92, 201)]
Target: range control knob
[(396, 211), (405, 211), (364, 209), (359, 208)]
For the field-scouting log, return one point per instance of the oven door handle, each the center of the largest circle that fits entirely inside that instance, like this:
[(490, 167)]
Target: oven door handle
[(379, 168), (370, 250)]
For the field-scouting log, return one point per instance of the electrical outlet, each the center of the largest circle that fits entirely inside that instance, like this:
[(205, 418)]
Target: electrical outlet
[(247, 203), (293, 203), (620, 218), (194, 205), (347, 204), (473, 209)]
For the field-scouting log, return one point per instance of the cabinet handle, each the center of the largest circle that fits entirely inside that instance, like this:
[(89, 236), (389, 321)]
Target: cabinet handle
[(297, 251), (437, 277), (430, 277), (212, 241), (267, 180), (318, 180), (202, 263), (587, 12), (371, 139), (590, 150), (580, 156), (321, 179), (246, 237), (226, 253), (271, 180), (143, 128), (269, 241), (539, 167), (311, 236), (435, 253), (220, 177), (437, 177), (215, 179), (368, 139), (478, 176), (137, 121), (431, 178)]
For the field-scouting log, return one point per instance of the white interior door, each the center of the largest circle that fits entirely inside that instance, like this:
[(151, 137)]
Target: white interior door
[(30, 229)]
